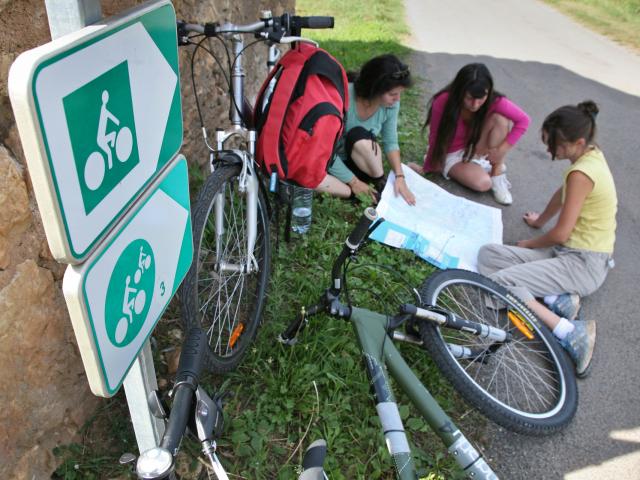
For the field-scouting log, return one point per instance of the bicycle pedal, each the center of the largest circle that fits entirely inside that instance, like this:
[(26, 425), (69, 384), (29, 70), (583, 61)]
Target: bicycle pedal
[(291, 342), (127, 459)]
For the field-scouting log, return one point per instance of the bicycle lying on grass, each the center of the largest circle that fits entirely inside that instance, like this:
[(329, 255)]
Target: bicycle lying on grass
[(194, 411), (224, 291), (493, 350)]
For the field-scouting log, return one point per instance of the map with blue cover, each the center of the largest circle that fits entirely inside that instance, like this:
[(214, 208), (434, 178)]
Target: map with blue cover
[(443, 229)]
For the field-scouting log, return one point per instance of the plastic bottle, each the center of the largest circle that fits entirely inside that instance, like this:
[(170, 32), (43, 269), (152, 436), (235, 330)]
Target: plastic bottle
[(301, 207)]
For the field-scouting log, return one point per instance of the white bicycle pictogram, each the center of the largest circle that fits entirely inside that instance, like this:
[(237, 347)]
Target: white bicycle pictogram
[(120, 140), (134, 299)]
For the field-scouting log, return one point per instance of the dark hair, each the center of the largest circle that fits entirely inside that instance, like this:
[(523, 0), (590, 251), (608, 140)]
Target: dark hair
[(476, 80), (569, 124), (379, 75)]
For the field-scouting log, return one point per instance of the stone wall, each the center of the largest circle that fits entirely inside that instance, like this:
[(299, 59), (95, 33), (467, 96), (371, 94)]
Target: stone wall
[(45, 398)]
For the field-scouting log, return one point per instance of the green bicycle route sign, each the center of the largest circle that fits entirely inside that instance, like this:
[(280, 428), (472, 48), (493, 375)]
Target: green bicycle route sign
[(117, 296), (99, 115)]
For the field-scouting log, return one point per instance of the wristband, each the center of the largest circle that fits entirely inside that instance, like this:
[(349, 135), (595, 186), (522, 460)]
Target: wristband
[(401, 175)]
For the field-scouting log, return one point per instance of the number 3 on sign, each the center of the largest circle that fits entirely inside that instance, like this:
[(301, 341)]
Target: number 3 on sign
[(162, 289)]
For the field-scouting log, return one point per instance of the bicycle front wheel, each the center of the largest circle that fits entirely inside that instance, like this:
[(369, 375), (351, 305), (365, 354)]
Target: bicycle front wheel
[(220, 293), (525, 384)]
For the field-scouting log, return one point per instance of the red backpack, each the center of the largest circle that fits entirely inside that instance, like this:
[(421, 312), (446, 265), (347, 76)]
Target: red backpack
[(304, 117)]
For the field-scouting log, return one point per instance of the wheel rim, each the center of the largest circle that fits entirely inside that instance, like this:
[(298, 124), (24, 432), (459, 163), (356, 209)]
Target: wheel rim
[(227, 300), (523, 375)]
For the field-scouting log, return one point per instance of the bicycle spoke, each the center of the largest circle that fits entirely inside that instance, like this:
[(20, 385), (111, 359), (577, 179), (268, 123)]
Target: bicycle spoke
[(226, 293)]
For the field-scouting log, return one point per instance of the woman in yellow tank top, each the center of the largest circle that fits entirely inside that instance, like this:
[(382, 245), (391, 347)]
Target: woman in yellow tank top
[(572, 259)]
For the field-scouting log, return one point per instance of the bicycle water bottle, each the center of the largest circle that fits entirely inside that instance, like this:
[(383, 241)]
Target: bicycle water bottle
[(301, 203)]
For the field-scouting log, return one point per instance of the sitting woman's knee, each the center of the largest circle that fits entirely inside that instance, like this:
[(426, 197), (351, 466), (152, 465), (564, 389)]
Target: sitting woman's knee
[(483, 255), (486, 254), (368, 155), (500, 122), (481, 184)]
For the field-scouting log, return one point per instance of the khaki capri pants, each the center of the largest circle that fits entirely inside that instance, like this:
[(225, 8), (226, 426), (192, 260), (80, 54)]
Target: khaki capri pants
[(534, 273)]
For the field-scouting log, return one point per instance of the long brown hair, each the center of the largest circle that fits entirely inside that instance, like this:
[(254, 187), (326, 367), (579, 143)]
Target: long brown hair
[(476, 80)]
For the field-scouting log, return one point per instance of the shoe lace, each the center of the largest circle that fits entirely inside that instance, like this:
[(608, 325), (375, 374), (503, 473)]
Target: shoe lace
[(502, 182)]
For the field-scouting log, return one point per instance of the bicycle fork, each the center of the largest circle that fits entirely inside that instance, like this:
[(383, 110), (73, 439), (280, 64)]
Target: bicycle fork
[(378, 351), (248, 188)]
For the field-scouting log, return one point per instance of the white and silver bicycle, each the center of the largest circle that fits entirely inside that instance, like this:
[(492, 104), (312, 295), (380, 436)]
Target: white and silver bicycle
[(225, 288)]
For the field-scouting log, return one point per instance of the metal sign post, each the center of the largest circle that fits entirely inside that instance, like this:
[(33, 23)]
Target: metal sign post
[(66, 16), (99, 115)]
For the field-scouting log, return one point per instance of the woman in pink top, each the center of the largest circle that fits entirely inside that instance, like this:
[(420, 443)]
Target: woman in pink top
[(471, 128)]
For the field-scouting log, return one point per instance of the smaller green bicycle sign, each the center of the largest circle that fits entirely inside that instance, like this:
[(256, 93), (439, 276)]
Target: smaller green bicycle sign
[(129, 292), (104, 137), (117, 296)]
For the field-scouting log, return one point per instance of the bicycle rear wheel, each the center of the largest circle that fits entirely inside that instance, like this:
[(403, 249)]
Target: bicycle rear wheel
[(218, 293), (527, 384)]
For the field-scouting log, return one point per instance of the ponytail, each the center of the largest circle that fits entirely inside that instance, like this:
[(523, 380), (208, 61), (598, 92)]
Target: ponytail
[(571, 123)]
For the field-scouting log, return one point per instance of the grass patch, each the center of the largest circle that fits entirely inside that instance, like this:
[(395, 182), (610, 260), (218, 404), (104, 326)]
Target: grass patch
[(285, 397), (618, 19), (104, 437)]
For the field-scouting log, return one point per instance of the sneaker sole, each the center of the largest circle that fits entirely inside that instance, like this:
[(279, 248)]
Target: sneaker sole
[(585, 372), (502, 203)]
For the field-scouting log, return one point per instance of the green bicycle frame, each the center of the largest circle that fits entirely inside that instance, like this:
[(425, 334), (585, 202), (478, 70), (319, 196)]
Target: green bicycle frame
[(380, 352)]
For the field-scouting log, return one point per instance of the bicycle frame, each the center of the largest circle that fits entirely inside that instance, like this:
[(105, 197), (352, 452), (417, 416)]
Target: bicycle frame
[(375, 333), (381, 356)]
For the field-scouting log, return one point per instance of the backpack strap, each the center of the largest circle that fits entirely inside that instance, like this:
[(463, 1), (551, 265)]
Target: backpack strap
[(322, 64), (260, 116), (292, 65), (307, 123), (320, 110)]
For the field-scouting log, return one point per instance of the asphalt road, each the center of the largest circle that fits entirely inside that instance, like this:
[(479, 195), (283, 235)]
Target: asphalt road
[(542, 60)]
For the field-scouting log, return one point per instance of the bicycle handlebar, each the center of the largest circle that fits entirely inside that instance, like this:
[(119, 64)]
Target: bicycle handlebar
[(313, 461), (351, 244), (187, 378), (315, 22), (285, 25), (362, 227), (159, 462)]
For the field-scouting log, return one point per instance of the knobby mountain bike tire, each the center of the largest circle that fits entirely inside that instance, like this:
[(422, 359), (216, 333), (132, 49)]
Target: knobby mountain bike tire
[(527, 385), (226, 304)]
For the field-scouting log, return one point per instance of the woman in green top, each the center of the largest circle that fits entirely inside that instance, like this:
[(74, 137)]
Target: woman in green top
[(372, 118), (573, 257)]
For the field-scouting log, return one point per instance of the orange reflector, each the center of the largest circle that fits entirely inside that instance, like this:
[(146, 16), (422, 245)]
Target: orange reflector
[(235, 335), (521, 324)]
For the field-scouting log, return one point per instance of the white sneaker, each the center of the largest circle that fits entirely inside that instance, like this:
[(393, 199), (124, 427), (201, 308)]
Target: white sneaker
[(500, 187)]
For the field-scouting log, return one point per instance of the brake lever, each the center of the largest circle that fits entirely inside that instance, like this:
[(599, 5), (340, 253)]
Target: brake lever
[(209, 418), (183, 37)]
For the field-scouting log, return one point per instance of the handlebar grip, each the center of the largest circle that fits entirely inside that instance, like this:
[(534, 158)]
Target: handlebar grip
[(189, 368), (178, 418), (357, 235), (192, 355), (312, 463), (316, 22)]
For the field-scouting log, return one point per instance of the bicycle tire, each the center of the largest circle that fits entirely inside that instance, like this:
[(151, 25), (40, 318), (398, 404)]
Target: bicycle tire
[(225, 304), (525, 385)]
